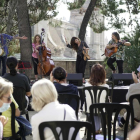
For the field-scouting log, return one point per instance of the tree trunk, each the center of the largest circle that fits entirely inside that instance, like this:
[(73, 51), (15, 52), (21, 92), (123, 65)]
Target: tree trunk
[(24, 29), (86, 19), (12, 8)]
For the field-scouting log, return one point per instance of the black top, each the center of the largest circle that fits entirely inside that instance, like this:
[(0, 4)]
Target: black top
[(80, 48), (69, 89), (18, 80)]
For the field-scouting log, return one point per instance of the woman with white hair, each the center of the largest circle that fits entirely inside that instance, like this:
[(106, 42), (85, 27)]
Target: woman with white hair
[(45, 101)]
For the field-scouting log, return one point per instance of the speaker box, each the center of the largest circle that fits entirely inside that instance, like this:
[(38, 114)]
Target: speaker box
[(126, 79), (75, 78)]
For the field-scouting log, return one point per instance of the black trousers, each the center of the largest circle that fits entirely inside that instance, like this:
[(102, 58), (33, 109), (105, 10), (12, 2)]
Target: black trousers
[(119, 64), (80, 64), (3, 60), (35, 62)]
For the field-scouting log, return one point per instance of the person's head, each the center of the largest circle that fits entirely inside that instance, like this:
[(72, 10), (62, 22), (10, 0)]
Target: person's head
[(59, 74), (37, 39), (12, 64), (98, 75), (74, 43), (115, 36), (6, 89), (43, 92)]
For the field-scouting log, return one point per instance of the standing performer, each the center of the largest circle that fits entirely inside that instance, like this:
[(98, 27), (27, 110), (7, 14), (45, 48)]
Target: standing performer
[(119, 55), (4, 40), (36, 44), (79, 46)]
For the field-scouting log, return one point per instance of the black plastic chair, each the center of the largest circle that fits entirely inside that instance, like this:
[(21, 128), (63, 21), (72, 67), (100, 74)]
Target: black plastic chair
[(70, 99), (65, 127), (95, 92), (131, 100), (106, 110), (111, 84), (19, 96), (15, 136)]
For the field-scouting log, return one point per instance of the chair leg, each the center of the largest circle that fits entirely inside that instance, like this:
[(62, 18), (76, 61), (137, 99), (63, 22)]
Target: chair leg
[(27, 116)]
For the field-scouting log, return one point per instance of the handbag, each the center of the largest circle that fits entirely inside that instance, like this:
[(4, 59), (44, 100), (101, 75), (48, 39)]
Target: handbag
[(25, 127)]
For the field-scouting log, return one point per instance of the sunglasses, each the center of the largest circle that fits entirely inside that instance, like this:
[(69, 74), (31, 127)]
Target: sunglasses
[(8, 98)]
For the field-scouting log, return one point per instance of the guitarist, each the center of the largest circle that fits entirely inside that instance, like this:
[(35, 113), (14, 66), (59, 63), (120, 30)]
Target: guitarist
[(4, 40), (119, 55)]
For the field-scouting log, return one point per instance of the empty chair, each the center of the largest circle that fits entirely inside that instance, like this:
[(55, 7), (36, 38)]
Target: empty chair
[(135, 108), (66, 128), (106, 110), (19, 95)]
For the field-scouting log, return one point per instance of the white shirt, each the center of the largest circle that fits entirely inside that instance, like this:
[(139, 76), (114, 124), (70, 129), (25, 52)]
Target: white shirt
[(88, 98), (52, 112)]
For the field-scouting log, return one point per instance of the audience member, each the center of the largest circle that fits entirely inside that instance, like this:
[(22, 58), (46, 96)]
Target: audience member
[(59, 76), (6, 90), (4, 102), (97, 78), (134, 134), (45, 101), (18, 80), (133, 89)]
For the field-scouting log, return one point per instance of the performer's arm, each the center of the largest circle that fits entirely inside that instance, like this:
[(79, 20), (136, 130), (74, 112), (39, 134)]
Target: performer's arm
[(23, 37), (127, 43), (67, 44), (86, 46), (109, 46)]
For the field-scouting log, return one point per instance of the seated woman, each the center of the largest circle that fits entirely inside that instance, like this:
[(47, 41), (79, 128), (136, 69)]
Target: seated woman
[(97, 78), (44, 100), (18, 80), (6, 90)]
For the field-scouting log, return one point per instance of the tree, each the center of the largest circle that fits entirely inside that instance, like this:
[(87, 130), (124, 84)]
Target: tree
[(111, 10), (24, 29)]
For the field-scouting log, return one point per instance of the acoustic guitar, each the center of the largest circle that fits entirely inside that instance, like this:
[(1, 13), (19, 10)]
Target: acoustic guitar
[(110, 52)]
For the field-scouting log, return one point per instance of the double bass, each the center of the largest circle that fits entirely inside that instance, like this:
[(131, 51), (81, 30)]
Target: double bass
[(46, 64)]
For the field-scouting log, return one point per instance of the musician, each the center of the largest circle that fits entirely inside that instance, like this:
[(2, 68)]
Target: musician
[(4, 40), (78, 46), (36, 44), (119, 55)]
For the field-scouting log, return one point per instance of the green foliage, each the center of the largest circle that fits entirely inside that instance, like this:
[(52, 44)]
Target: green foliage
[(14, 47), (75, 5), (38, 10), (132, 53)]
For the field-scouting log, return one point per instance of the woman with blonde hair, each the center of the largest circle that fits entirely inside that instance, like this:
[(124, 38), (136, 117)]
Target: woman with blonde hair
[(6, 90), (45, 101)]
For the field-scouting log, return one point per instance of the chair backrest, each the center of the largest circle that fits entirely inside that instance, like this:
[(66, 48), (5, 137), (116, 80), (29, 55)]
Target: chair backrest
[(111, 84), (70, 99), (132, 102), (14, 135), (95, 93), (19, 96), (106, 110), (65, 129)]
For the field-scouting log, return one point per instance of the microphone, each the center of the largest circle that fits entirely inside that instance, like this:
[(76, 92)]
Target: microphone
[(43, 30)]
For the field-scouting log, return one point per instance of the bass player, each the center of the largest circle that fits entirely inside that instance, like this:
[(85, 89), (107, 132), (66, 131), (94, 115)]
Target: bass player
[(117, 57)]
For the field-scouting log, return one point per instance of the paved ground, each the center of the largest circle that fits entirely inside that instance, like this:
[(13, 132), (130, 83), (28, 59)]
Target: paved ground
[(82, 118)]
